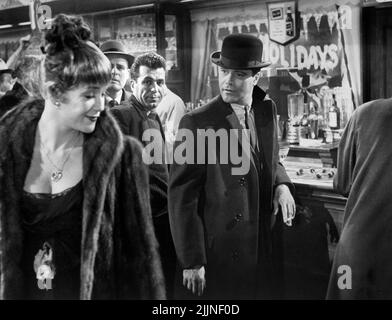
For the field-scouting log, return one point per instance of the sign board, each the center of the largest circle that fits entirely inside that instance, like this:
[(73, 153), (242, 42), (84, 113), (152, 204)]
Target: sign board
[(282, 21)]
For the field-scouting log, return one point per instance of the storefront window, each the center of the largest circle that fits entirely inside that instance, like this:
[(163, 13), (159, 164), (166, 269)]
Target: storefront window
[(171, 42), (105, 29), (137, 33)]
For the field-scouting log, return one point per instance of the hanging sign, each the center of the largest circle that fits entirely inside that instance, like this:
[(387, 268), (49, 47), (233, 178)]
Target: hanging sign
[(282, 21)]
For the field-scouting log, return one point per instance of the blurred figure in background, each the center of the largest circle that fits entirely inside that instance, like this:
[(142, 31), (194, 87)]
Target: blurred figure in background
[(170, 111), (6, 79), (26, 78), (362, 266)]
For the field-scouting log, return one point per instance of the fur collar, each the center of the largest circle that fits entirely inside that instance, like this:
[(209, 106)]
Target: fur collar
[(101, 153)]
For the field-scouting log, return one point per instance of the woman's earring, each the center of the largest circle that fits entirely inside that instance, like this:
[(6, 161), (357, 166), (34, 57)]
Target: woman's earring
[(57, 104)]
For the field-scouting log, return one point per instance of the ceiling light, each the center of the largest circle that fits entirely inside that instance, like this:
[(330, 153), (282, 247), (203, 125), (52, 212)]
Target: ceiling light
[(4, 26), (27, 23)]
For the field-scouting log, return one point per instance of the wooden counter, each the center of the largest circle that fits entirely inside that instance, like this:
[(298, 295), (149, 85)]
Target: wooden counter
[(310, 243)]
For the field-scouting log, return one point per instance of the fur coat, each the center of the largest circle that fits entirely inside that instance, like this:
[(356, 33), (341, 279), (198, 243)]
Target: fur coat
[(119, 251)]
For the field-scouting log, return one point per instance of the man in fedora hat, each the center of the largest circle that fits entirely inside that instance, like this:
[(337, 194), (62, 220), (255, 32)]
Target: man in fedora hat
[(121, 63), (224, 225)]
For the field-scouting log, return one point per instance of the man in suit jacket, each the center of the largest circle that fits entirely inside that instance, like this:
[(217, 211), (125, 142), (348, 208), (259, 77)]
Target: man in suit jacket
[(135, 117), (121, 63), (221, 222)]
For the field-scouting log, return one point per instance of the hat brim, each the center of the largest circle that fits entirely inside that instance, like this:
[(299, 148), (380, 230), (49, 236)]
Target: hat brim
[(126, 56), (216, 59)]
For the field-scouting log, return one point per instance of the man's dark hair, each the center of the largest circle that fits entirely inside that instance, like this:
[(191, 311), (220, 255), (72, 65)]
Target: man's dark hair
[(151, 60)]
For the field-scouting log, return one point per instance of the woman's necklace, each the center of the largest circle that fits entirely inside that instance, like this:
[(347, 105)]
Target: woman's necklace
[(57, 174)]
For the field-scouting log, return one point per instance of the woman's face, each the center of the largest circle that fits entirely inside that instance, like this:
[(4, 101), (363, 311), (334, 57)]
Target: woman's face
[(81, 107)]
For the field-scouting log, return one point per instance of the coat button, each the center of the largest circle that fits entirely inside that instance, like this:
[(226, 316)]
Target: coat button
[(238, 217), (242, 181)]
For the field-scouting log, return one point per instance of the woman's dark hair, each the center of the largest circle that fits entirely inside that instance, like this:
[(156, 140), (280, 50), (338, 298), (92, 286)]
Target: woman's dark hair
[(71, 57)]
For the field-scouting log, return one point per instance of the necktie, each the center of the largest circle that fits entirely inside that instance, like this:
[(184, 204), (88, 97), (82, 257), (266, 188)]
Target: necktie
[(246, 117)]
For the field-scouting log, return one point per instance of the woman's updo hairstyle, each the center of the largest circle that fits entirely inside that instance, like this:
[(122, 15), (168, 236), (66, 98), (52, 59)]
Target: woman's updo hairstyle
[(71, 57)]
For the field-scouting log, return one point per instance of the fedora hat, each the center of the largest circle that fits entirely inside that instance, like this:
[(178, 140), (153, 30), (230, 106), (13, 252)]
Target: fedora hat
[(116, 47), (4, 67), (240, 51)]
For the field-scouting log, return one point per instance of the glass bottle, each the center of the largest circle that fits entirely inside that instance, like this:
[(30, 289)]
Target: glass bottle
[(313, 119), (289, 23), (334, 115), (304, 129)]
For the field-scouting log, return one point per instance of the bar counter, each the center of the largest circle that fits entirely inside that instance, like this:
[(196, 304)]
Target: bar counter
[(310, 243)]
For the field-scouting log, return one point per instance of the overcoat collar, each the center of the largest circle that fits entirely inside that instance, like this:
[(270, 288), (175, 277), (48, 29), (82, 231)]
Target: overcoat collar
[(264, 118)]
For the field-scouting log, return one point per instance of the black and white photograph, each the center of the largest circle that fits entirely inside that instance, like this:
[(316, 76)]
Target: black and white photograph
[(195, 154)]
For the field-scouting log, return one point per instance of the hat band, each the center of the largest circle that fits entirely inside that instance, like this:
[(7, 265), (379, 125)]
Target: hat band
[(240, 64)]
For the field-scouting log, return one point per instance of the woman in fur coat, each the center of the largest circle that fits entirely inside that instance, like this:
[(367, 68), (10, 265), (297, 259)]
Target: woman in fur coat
[(75, 220)]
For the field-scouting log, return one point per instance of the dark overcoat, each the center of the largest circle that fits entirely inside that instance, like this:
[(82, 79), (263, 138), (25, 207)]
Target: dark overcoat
[(362, 267), (133, 121), (222, 220), (119, 251), (125, 96)]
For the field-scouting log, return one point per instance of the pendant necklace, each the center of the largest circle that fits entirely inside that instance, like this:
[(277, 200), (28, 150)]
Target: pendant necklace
[(57, 174)]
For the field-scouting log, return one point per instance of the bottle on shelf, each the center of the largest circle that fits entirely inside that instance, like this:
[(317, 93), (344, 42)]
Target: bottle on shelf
[(289, 23), (305, 93), (304, 113), (334, 115), (208, 92), (304, 129), (313, 119)]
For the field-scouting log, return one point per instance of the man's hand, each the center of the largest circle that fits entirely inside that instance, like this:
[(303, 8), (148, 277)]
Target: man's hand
[(195, 280), (285, 200)]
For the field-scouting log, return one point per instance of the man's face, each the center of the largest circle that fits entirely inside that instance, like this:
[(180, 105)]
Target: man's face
[(120, 72), (236, 86), (149, 87)]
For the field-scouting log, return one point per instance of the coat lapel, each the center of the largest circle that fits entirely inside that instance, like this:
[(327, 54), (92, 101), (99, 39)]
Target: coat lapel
[(263, 116)]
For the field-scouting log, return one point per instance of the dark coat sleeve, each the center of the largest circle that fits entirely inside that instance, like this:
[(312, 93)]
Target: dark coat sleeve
[(346, 158), (283, 178), (132, 124), (139, 227), (186, 185)]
